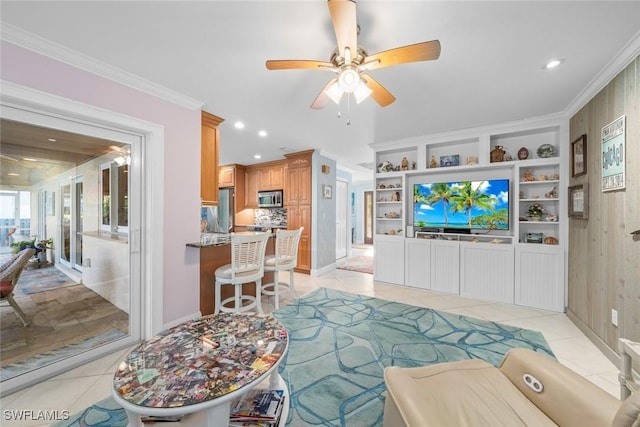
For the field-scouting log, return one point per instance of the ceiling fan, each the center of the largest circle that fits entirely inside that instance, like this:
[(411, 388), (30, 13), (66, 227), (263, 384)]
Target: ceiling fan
[(350, 62)]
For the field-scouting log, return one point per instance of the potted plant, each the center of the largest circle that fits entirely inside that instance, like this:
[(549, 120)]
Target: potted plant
[(40, 247), (535, 211)]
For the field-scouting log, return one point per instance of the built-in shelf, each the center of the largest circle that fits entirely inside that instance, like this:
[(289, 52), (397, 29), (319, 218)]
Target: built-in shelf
[(456, 237), (528, 254)]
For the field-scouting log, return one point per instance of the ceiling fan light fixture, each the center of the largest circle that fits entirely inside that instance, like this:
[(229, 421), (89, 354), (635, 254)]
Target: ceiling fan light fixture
[(362, 92), (334, 92), (349, 79)]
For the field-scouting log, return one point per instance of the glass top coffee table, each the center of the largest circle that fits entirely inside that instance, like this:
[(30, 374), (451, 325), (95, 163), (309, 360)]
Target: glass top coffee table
[(200, 366)]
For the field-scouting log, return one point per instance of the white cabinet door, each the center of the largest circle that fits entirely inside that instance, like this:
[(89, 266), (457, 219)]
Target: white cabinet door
[(540, 276), (388, 259), (445, 266), (417, 264), (487, 271)]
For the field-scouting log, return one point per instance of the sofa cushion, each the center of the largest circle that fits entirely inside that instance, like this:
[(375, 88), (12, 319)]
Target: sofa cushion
[(566, 396), (467, 393)]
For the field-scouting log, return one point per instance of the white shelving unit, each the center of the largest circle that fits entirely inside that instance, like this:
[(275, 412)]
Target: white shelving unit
[(529, 258), (539, 183)]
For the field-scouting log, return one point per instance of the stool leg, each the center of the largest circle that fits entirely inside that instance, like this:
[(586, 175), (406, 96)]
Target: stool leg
[(292, 289), (238, 300), (275, 289), (259, 296), (216, 309)]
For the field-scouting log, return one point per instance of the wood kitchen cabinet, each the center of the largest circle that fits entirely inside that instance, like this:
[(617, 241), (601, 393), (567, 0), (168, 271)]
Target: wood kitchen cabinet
[(209, 149), (227, 176), (300, 216), (252, 177), (265, 176), (298, 203), (272, 177)]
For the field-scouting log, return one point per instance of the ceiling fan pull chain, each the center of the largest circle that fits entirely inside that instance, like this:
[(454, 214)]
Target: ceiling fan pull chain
[(348, 109)]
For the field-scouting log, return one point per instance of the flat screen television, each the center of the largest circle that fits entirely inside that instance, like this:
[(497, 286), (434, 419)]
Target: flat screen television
[(462, 205)]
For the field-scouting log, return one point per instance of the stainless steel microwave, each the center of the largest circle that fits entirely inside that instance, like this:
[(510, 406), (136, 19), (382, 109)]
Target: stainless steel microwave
[(270, 199)]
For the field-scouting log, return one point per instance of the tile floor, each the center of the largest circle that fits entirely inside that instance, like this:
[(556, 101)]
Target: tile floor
[(57, 318), (79, 388)]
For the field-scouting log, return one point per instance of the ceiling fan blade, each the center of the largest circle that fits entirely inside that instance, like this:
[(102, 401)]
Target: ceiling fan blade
[(293, 64), (381, 95), (322, 99), (343, 16), (424, 51)]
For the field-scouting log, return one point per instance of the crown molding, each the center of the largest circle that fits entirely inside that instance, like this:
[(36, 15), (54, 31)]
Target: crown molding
[(619, 62), (42, 46)]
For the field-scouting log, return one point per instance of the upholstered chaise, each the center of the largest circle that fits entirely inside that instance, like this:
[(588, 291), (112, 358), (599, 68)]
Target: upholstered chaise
[(527, 389)]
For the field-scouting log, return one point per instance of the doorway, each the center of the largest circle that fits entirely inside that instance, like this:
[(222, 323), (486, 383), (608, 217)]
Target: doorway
[(78, 121), (70, 224), (368, 217), (343, 238)]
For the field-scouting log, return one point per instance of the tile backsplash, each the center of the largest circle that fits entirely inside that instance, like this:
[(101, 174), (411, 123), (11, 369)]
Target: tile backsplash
[(275, 216)]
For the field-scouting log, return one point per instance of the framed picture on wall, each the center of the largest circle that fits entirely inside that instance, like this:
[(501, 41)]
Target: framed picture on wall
[(579, 201), (579, 156)]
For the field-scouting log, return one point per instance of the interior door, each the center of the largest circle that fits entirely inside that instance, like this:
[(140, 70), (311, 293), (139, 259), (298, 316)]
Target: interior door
[(368, 217), (71, 200), (65, 224), (342, 215)]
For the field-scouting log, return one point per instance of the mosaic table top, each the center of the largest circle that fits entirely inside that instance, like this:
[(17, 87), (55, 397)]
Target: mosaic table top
[(201, 360)]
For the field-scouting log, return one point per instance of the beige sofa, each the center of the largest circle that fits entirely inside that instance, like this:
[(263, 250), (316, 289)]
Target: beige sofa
[(528, 389)]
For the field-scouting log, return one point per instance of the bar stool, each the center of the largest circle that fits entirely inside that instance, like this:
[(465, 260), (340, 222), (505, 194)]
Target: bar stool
[(247, 265), (285, 259)]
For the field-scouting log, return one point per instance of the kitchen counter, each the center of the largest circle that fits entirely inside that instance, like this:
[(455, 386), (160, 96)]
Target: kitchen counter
[(217, 239)]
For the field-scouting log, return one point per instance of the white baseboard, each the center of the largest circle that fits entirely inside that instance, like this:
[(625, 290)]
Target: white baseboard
[(323, 270), (182, 320)]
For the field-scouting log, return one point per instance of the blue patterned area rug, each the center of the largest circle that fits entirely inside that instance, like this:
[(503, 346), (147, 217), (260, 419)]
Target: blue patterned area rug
[(43, 279), (340, 344)]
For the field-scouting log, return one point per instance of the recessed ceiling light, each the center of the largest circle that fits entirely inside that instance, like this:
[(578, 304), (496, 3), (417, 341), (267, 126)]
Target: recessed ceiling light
[(29, 159), (257, 156), (52, 140), (262, 133), (13, 174), (552, 64), (238, 125)]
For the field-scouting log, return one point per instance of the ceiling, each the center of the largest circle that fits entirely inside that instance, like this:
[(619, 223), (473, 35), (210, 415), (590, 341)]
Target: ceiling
[(32, 154), (489, 71)]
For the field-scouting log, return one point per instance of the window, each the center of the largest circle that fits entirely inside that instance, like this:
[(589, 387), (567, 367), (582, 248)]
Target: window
[(114, 191), (15, 216)]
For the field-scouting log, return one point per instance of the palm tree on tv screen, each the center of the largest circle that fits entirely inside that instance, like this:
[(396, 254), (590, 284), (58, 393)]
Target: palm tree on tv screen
[(495, 220), (440, 192), (467, 197)]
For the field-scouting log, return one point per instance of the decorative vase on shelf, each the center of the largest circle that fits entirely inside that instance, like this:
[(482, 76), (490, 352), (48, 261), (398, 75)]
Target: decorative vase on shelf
[(535, 218)]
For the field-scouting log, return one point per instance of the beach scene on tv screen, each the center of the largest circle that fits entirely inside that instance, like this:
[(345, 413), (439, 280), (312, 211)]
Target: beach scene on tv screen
[(463, 204)]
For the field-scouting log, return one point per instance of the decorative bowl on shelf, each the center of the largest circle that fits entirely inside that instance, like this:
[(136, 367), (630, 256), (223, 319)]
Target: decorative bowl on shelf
[(546, 150), (523, 153)]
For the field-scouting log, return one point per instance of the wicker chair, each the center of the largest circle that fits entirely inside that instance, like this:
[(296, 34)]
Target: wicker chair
[(9, 274)]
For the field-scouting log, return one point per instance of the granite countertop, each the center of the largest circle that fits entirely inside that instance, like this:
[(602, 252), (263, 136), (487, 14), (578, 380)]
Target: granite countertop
[(208, 240), (266, 225)]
